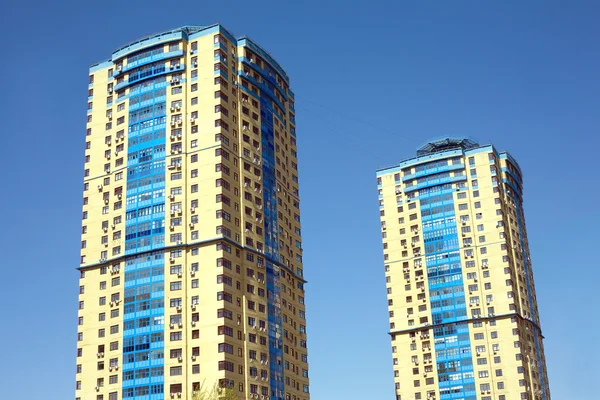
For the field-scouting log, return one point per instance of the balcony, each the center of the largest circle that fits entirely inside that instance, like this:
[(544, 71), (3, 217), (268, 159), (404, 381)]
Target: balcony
[(154, 72), (435, 182), (264, 74), (432, 171), (149, 60)]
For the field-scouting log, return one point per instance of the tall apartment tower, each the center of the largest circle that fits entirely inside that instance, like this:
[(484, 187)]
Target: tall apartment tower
[(191, 255), (462, 307)]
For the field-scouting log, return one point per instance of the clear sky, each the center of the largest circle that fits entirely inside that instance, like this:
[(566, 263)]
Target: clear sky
[(374, 80)]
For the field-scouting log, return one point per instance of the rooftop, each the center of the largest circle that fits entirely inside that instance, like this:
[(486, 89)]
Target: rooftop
[(186, 31), (445, 144)]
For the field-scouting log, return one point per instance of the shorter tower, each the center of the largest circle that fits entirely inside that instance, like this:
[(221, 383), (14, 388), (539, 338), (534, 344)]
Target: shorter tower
[(462, 307)]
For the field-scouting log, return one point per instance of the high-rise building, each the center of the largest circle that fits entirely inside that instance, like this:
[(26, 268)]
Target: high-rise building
[(191, 253), (462, 307)]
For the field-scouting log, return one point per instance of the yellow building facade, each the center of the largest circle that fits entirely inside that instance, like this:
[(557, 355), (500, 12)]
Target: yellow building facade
[(191, 253), (462, 307)]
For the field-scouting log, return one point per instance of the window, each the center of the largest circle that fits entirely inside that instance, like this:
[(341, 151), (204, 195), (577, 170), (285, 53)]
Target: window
[(175, 269), (226, 348), (175, 353), (225, 330), (226, 366)]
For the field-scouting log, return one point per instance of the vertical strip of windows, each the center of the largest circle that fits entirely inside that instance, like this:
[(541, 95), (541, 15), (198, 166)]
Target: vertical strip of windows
[(143, 314), (275, 328), (446, 291), (531, 301)]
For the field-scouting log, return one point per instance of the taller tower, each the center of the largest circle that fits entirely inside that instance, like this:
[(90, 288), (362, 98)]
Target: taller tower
[(463, 313), (191, 253)]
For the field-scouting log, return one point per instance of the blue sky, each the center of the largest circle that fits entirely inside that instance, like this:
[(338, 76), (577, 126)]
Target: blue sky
[(374, 80)]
